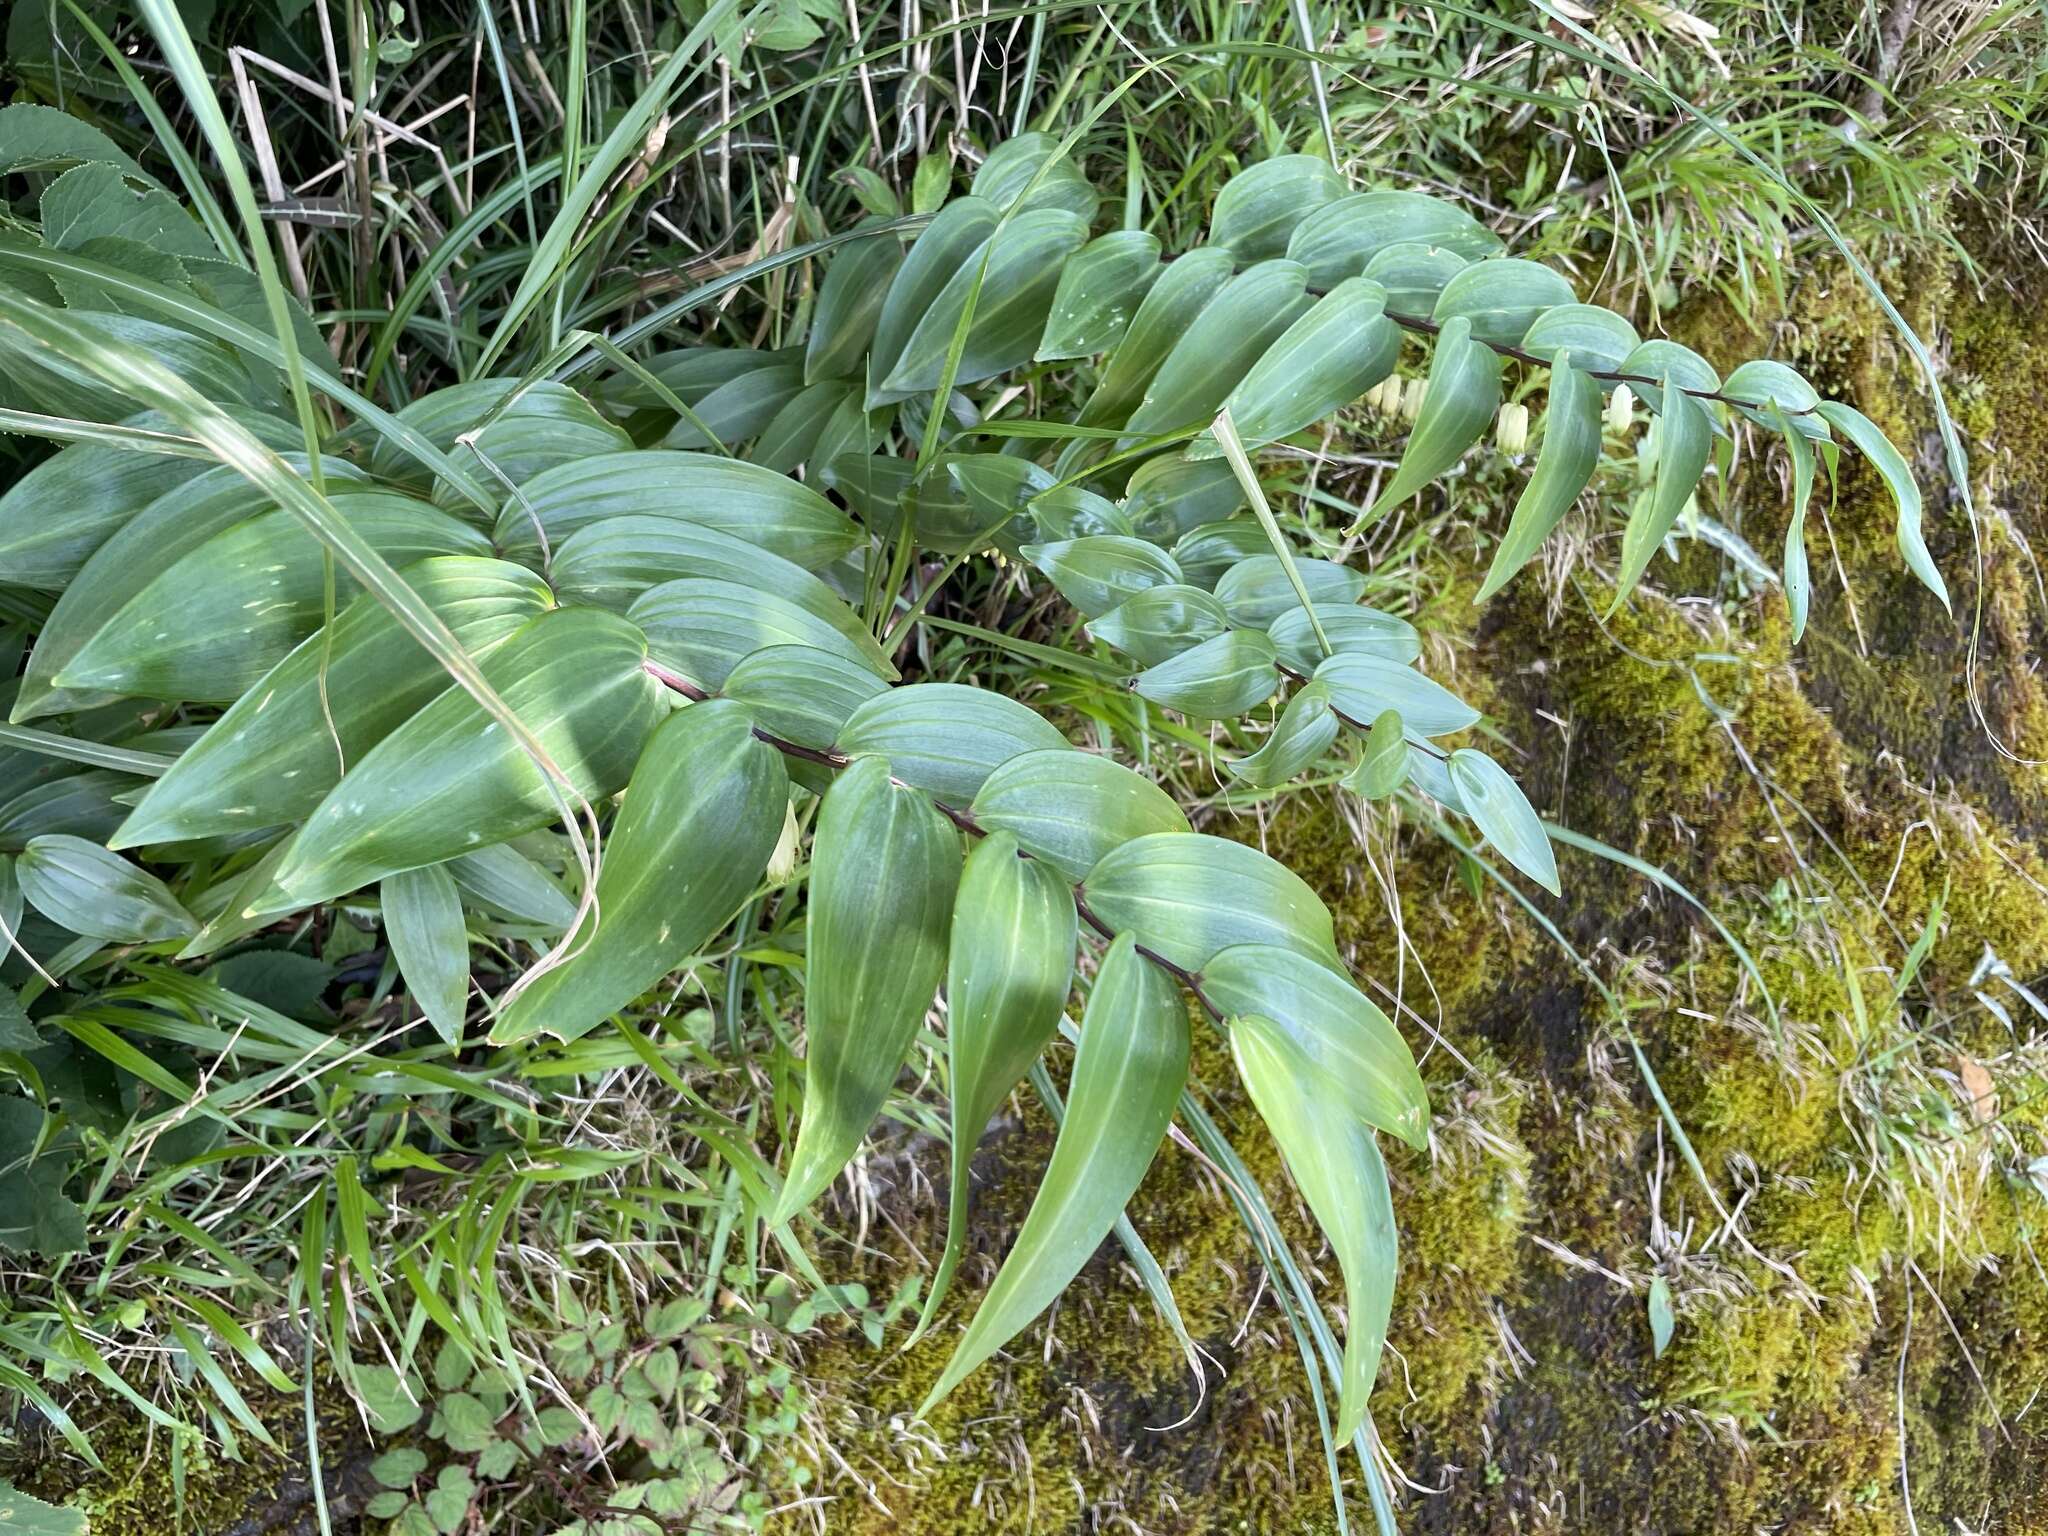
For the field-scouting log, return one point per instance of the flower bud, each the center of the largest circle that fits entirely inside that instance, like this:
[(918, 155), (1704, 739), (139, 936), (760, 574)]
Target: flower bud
[(1412, 398), (782, 862), (1511, 429), (1621, 409)]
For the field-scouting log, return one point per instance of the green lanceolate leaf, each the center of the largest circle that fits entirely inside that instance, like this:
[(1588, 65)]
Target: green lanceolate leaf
[(53, 517), (1011, 966), (1011, 284), (269, 760), (1338, 1169), (1217, 680), (850, 305), (82, 887), (1897, 475), (533, 426), (1350, 629), (1205, 553), (1458, 407), (430, 941), (703, 627), (1669, 361), (1071, 808), (794, 432), (947, 244), (1128, 1073), (502, 878), (801, 694), (946, 738), (1306, 728), (1170, 306), (1161, 622), (1362, 686), (1383, 767), (1342, 347), (1502, 298), (1798, 580), (884, 868), (1256, 591), (1496, 803), (1169, 499), (450, 779), (611, 563), (1074, 512), (1101, 571), (1339, 239), (1258, 208), (1099, 291), (1234, 329), (1685, 439), (739, 411), (744, 500), (1414, 276), (1186, 895), (702, 814), (1595, 337), (1333, 1024), (244, 598), (177, 522), (1762, 388), (1017, 173), (82, 804), (1564, 468)]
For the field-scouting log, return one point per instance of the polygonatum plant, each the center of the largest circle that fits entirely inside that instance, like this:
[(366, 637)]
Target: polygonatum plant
[(666, 611)]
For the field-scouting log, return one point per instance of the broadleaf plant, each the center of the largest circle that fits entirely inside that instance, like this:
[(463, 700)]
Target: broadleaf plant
[(665, 601)]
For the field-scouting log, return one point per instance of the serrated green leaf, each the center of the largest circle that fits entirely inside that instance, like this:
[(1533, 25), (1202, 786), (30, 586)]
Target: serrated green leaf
[(850, 305), (703, 627), (946, 738), (1305, 730), (1495, 802), (450, 780), (1103, 570), (1159, 623), (430, 941), (1010, 967), (1362, 686), (1128, 1073), (1251, 312), (884, 868), (1339, 239), (1179, 294), (1217, 680), (1100, 289), (17, 1031), (1461, 399), (82, 887), (1337, 1167), (1335, 1026), (1071, 808), (1564, 468), (1350, 629), (271, 757), (397, 1469), (1187, 895), (21, 1514), (702, 814), (1870, 441), (749, 502), (1502, 298)]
